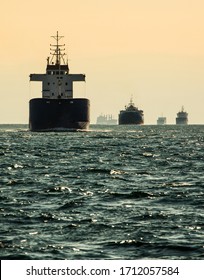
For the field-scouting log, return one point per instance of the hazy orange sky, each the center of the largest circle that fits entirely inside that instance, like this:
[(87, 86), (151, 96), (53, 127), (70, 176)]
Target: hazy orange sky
[(150, 49)]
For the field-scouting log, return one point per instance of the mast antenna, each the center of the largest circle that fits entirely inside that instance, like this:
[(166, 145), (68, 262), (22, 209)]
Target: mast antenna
[(57, 52)]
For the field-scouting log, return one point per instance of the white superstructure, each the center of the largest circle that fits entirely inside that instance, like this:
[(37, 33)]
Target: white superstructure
[(57, 82)]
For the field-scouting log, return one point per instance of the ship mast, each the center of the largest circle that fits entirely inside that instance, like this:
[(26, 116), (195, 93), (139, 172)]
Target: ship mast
[(57, 51), (131, 100)]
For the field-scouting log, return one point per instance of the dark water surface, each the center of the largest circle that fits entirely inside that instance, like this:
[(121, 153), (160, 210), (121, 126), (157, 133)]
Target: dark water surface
[(114, 192)]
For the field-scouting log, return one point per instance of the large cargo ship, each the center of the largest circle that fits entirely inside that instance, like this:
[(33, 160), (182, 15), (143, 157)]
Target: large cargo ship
[(106, 120), (161, 120), (131, 115), (182, 117), (57, 110)]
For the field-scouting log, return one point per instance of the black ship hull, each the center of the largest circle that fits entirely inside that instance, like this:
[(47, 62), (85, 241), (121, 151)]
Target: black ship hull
[(127, 117), (182, 121), (59, 114)]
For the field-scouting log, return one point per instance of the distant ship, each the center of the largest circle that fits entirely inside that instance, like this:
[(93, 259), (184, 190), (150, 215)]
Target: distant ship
[(182, 117), (131, 115), (106, 120), (161, 120), (57, 109)]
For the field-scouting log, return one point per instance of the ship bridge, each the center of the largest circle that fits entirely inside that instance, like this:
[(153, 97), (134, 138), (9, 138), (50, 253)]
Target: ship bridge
[(57, 82)]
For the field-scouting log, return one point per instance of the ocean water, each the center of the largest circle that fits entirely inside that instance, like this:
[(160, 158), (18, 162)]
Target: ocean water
[(114, 192)]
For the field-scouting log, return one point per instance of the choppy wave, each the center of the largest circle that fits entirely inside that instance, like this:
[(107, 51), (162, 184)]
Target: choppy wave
[(108, 193)]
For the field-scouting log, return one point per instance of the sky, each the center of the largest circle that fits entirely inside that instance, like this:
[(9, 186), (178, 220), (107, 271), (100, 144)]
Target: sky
[(152, 50)]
